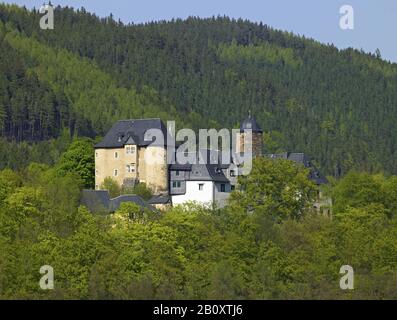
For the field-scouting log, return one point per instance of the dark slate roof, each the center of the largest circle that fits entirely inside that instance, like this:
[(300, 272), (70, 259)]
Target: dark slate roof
[(317, 178), (131, 131), (95, 200), (180, 167), (301, 158), (204, 171), (99, 201), (116, 202), (216, 173), (250, 124), (204, 156), (298, 157), (159, 199)]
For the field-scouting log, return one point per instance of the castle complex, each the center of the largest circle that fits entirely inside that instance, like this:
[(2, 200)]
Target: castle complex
[(130, 155)]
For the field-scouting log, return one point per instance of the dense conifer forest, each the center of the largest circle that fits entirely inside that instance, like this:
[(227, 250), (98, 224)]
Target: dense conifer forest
[(338, 106)]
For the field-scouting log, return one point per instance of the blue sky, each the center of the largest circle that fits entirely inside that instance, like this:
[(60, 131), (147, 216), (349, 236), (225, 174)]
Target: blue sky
[(375, 21)]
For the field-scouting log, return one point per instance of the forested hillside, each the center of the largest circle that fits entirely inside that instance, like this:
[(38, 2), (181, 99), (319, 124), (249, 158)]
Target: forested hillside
[(60, 91), (340, 107), (266, 244)]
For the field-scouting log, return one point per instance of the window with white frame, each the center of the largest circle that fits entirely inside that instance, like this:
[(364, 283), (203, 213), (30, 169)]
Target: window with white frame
[(201, 186), (116, 172)]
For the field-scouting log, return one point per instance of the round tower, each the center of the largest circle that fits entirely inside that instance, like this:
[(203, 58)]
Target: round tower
[(247, 127)]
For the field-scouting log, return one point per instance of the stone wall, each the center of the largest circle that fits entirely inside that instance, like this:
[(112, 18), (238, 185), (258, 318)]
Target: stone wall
[(155, 172), (257, 143), (109, 160), (150, 167)]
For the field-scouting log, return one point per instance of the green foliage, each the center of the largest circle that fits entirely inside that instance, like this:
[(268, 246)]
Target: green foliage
[(9, 181), (112, 186), (139, 189), (193, 252), (278, 188), (79, 159), (274, 142), (258, 55), (357, 190), (20, 155)]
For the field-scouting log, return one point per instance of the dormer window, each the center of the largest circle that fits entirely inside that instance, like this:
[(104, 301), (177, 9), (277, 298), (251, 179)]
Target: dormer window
[(130, 149)]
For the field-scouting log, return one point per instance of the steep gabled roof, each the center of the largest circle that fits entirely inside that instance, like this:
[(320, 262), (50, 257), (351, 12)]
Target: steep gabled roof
[(207, 172), (216, 173), (132, 131)]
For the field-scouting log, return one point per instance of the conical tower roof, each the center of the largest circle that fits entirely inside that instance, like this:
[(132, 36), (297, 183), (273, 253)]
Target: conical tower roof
[(250, 124)]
